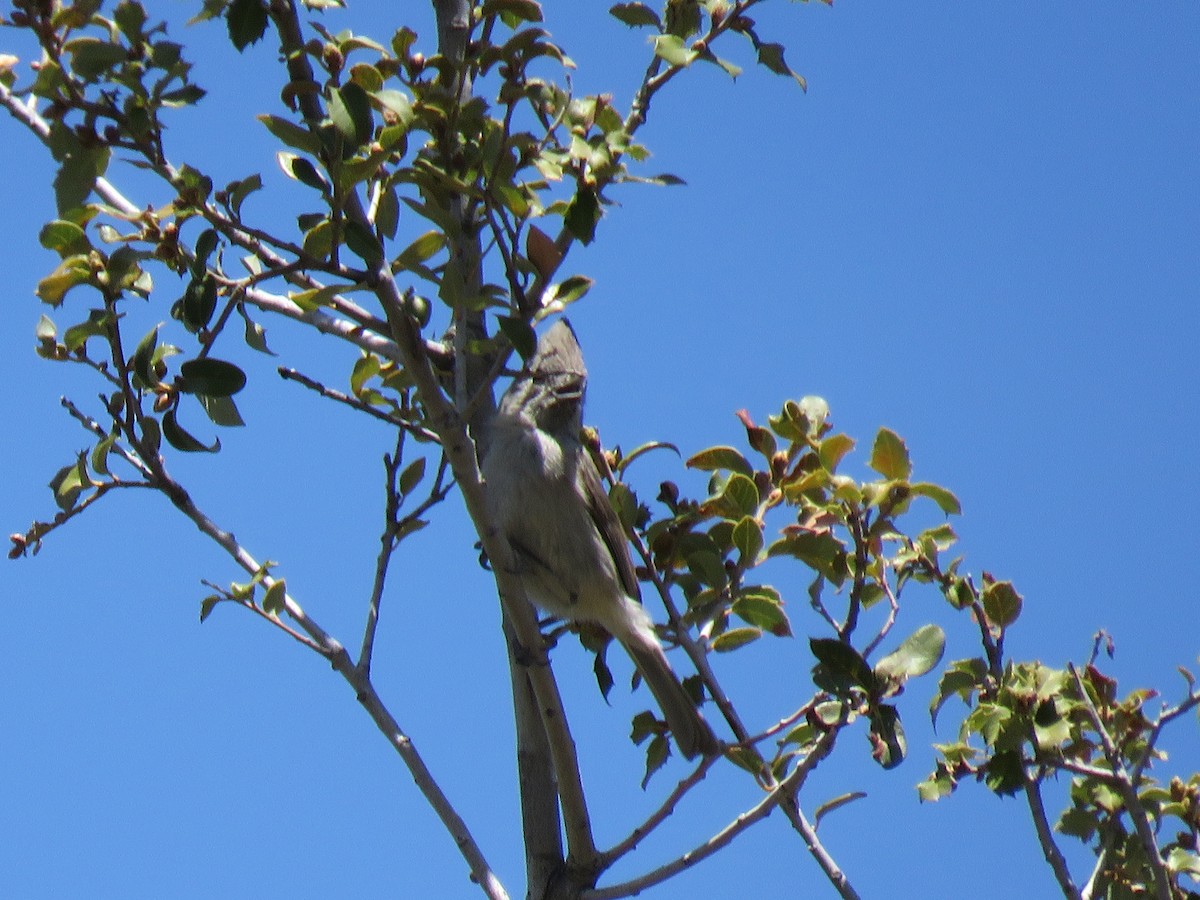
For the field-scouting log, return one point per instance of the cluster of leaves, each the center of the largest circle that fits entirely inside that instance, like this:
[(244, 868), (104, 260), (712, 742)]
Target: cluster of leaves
[(686, 29), (844, 530), (1027, 722)]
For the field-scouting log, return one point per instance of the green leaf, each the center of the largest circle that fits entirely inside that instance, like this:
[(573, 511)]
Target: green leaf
[(199, 302), (92, 57), (213, 377), (350, 111), (748, 538), (397, 103), (247, 22), (571, 289), (771, 56), (275, 597), (302, 170), (221, 410), (64, 238), (520, 334), (292, 134), (840, 667), (363, 243), (734, 638), (641, 450), (99, 455), (670, 48), (181, 440), (625, 503), (97, 324), (1001, 603), (46, 330), (919, 652), (420, 250), (68, 483), (636, 15), (739, 497), (239, 190), (889, 456), (523, 10), (961, 679), (582, 214), (77, 175), (411, 476), (142, 361), (943, 498), (833, 450), (762, 607), (718, 458), (207, 605), (255, 334), (836, 803), (71, 272), (888, 744)]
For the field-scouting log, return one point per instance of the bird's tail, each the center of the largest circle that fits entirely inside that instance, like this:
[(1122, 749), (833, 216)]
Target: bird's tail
[(692, 734)]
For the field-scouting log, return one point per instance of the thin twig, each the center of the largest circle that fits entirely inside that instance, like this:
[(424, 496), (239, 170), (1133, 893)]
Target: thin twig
[(1041, 824), (290, 374), (1120, 781), (784, 789)]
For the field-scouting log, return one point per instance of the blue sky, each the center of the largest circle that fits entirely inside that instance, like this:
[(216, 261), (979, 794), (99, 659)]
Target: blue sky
[(980, 228)]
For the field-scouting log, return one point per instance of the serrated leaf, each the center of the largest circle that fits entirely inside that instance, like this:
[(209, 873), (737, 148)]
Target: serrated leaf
[(717, 458), (889, 456), (71, 272), (246, 21)]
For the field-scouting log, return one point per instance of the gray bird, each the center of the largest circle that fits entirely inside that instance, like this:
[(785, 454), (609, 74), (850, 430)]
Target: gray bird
[(545, 496)]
